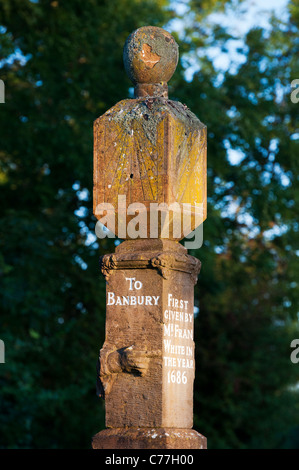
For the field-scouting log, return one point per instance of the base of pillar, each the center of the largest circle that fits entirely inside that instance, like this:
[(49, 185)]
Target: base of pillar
[(149, 438)]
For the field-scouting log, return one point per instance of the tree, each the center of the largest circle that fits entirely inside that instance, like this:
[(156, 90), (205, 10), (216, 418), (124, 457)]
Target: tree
[(246, 390), (62, 66), (68, 71)]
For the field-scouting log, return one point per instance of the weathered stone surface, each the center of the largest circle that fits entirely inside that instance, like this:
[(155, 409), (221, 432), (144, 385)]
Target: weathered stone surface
[(158, 438), (150, 151), (148, 353), (165, 255)]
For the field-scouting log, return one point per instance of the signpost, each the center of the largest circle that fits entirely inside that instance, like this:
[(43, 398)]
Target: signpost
[(149, 190)]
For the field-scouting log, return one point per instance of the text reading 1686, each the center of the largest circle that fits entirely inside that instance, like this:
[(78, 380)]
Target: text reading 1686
[(176, 376)]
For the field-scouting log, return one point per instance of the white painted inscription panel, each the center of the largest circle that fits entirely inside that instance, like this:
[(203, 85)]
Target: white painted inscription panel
[(178, 346)]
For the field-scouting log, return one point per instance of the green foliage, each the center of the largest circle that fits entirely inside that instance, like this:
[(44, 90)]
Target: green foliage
[(245, 394), (52, 293), (68, 72)]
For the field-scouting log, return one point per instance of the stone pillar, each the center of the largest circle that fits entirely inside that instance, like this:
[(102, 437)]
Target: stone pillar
[(148, 151)]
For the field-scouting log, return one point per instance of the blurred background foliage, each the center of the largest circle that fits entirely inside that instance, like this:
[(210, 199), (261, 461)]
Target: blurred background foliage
[(62, 66)]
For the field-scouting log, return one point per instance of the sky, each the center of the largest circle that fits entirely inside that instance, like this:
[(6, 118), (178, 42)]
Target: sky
[(238, 21)]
